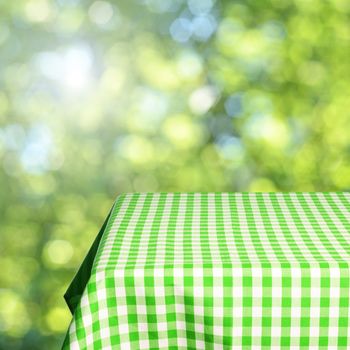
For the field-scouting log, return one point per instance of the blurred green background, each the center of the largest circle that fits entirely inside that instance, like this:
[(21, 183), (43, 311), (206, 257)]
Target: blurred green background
[(99, 98)]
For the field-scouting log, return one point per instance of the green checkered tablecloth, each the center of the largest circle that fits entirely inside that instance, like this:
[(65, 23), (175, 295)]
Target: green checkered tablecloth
[(218, 271)]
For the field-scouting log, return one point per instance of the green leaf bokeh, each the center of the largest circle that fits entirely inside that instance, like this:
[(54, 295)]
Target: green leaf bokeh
[(99, 98)]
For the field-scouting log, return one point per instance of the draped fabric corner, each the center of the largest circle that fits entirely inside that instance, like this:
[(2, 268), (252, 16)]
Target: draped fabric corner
[(216, 271)]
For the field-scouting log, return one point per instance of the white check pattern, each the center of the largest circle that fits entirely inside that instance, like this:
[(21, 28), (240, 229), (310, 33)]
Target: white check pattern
[(219, 271)]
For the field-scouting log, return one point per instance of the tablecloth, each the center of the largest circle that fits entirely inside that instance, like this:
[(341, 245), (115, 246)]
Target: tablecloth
[(217, 271)]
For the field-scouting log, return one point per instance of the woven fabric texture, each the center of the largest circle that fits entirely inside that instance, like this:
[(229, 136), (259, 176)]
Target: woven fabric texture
[(219, 271)]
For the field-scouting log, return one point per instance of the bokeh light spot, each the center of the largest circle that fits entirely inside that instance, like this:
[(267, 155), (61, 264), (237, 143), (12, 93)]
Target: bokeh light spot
[(202, 99), (181, 29), (38, 10), (230, 147), (14, 318), (37, 149), (135, 148), (57, 319), (233, 105), (70, 68), (311, 73), (270, 130), (203, 27), (189, 64), (58, 252), (182, 131), (101, 12), (199, 7)]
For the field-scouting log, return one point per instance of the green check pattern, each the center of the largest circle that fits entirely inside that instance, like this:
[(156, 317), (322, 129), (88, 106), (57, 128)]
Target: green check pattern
[(219, 271)]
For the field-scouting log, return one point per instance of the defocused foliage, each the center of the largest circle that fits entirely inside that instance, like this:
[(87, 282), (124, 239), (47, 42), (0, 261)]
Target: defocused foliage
[(99, 98)]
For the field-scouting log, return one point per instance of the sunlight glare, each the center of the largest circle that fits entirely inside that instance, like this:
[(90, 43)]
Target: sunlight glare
[(72, 68)]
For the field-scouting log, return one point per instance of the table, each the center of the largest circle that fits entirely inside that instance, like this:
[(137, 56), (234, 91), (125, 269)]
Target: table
[(216, 271)]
